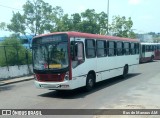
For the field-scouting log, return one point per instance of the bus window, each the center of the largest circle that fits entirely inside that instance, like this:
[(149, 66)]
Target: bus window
[(111, 48), (143, 48), (77, 53), (132, 49), (126, 48), (155, 47), (90, 48), (137, 48), (147, 48), (119, 48), (101, 48)]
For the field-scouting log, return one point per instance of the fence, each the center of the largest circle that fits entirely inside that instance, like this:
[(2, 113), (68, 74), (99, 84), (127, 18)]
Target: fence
[(11, 55)]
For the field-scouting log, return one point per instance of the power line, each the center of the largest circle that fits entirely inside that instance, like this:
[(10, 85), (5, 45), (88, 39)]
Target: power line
[(10, 8)]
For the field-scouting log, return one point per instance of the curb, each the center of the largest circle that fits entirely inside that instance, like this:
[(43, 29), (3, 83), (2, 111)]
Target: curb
[(2, 83)]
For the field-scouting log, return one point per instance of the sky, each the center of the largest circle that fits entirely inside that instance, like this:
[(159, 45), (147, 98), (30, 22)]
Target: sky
[(144, 13)]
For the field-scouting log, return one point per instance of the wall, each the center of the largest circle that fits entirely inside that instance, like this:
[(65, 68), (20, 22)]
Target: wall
[(15, 71)]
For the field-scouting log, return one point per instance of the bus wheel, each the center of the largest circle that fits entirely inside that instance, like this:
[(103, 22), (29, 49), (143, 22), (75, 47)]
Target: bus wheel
[(89, 82), (125, 71), (152, 57)]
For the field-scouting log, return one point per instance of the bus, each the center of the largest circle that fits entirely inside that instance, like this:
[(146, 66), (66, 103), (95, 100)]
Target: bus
[(149, 52), (157, 51), (69, 60)]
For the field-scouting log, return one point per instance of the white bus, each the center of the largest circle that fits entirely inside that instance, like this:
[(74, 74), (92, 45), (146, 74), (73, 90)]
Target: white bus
[(149, 52), (69, 60)]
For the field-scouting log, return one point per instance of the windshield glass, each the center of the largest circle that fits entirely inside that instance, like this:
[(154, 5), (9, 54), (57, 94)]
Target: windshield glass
[(50, 52)]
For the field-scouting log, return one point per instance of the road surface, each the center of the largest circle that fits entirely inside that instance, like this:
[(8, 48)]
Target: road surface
[(138, 90)]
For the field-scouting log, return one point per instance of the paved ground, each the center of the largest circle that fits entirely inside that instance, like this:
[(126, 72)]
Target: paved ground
[(140, 90), (145, 95)]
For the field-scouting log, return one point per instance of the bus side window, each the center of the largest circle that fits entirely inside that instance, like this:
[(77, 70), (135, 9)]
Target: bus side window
[(90, 48), (143, 48), (111, 48), (119, 48), (77, 53), (152, 48), (126, 48), (155, 47), (101, 48), (146, 48), (80, 51), (137, 48), (77, 50), (132, 49)]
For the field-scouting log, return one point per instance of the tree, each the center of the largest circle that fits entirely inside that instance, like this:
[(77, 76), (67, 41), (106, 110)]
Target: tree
[(63, 24), (76, 21), (38, 17), (17, 23), (89, 21), (13, 53), (122, 27), (2, 26)]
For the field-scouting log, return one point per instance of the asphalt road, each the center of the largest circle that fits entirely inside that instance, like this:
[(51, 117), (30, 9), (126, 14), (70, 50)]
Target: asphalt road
[(138, 90)]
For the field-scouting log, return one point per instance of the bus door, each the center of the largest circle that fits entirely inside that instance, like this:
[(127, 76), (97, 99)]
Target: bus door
[(77, 56)]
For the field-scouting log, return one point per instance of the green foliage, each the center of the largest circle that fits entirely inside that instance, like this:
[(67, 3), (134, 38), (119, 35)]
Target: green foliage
[(40, 17), (88, 21), (122, 27), (2, 26), (17, 23), (13, 53)]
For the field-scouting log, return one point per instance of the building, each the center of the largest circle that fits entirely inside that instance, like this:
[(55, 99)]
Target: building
[(145, 38), (26, 40)]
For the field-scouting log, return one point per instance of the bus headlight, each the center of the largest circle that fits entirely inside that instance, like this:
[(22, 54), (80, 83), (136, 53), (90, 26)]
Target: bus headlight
[(66, 76)]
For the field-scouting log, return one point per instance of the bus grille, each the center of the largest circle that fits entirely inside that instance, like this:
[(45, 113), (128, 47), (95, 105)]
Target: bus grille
[(50, 77)]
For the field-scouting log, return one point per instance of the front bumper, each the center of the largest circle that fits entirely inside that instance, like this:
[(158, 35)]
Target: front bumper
[(65, 85)]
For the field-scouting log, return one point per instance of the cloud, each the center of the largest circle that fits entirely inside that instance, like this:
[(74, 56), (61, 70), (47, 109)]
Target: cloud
[(135, 2)]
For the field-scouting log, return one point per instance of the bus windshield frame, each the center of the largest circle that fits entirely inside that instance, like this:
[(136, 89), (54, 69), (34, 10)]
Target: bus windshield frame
[(50, 52)]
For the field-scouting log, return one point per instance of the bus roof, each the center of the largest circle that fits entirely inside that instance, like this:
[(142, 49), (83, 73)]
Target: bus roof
[(150, 43), (88, 35)]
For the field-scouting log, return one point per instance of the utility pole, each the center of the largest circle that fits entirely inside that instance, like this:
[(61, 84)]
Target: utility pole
[(108, 18)]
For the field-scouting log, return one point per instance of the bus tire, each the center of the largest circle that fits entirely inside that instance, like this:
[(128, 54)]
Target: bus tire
[(152, 57), (90, 82), (125, 71)]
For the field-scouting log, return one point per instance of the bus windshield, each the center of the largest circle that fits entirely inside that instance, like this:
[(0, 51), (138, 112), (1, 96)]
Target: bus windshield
[(50, 52)]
